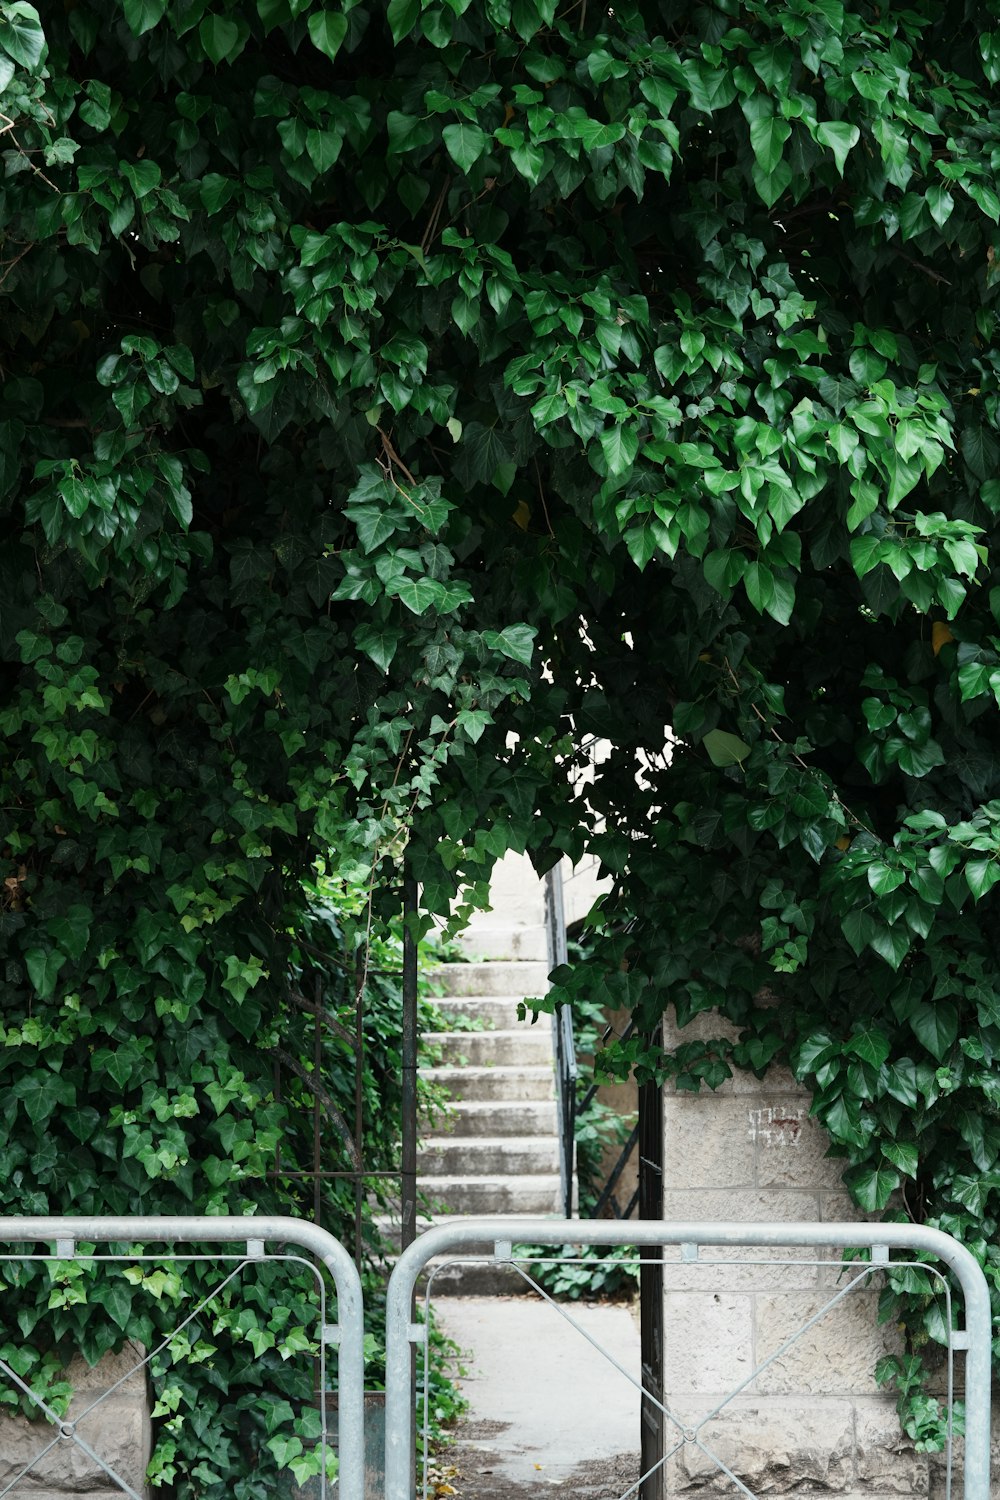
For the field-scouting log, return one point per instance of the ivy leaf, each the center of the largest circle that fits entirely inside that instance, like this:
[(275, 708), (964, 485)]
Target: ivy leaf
[(902, 1154), (620, 445), (840, 137), (985, 197), (936, 1026), (142, 15), (474, 721), (21, 34), (418, 594), (982, 875), (515, 641), (940, 202), (872, 1187), (980, 451), (43, 965), (375, 525), (870, 1044), (141, 176), (771, 185), (595, 135), (380, 643), (725, 749), (219, 37), (890, 943), (402, 16), (116, 1299), (464, 142), (884, 880), (767, 138), (327, 30)]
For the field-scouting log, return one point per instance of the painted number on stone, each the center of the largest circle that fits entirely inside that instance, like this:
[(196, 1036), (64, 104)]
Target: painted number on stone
[(777, 1125)]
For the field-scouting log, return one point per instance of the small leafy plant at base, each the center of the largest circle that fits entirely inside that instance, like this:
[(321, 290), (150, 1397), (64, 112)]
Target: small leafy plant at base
[(578, 1273)]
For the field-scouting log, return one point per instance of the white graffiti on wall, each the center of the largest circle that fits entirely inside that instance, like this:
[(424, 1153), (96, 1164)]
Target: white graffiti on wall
[(777, 1124)]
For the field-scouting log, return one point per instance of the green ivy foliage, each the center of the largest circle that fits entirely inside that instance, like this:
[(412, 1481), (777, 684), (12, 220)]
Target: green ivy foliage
[(398, 397)]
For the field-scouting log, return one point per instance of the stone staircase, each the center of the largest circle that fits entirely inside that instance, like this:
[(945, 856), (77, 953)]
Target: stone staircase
[(497, 1152)]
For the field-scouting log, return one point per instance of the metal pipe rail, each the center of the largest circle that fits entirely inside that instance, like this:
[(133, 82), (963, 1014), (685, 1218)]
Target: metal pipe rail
[(65, 1231), (501, 1234)]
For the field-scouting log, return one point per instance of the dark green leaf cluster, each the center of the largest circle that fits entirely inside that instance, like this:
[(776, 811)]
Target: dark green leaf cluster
[(481, 427)]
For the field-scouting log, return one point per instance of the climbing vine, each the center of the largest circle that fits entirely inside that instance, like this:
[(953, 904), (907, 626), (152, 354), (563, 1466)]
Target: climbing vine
[(396, 398)]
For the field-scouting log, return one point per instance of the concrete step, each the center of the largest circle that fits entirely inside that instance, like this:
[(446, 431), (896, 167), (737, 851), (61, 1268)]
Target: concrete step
[(503, 977), (449, 1276), (537, 1194), (496, 1011), (505, 940), (477, 1117), (488, 1156), (482, 1047), (534, 1081), (470, 1278)]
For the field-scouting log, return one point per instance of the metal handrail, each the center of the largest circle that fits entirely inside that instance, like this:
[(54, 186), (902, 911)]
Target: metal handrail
[(465, 1239), (64, 1232)]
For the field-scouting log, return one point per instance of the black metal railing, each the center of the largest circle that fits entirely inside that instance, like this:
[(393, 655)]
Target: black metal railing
[(607, 1204), (569, 1106), (563, 1044)]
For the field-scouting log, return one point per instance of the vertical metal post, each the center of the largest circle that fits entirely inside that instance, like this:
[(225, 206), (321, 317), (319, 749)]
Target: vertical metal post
[(408, 1231), (409, 1153), (651, 1420), (317, 1166), (360, 972), (562, 1041)]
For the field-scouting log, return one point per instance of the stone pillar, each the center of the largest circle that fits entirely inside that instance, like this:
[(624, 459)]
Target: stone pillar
[(814, 1418)]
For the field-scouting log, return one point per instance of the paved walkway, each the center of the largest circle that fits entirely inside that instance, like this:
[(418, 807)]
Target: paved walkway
[(547, 1411)]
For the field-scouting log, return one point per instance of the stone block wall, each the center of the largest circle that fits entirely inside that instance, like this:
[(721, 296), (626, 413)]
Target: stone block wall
[(112, 1418), (813, 1418)]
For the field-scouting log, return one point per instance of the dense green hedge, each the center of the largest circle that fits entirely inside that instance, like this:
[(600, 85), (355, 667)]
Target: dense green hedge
[(397, 395)]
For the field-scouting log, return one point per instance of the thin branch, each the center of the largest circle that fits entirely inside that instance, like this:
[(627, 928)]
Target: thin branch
[(9, 130), (326, 1102), (10, 264), (541, 496), (301, 1003), (919, 265), (392, 457), (435, 216)]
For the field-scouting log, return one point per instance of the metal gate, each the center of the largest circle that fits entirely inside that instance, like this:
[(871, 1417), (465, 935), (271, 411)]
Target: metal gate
[(886, 1245), (243, 1244)]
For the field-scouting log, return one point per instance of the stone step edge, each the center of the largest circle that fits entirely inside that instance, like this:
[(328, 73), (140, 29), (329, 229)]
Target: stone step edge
[(495, 1034), (442, 1002), (499, 1179), (495, 1070), (486, 1142)]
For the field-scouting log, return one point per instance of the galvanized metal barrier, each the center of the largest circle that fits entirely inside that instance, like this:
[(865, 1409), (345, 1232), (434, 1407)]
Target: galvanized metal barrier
[(65, 1233), (493, 1240)]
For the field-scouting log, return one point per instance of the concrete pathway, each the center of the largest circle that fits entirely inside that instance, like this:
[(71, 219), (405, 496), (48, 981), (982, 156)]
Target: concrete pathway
[(546, 1409)]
